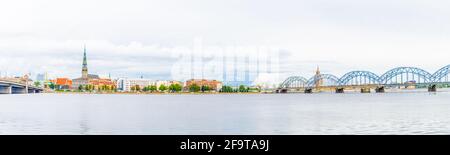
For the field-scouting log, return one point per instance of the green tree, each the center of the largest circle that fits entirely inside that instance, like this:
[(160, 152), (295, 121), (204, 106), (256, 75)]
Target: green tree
[(37, 83), (146, 89), (242, 88), (162, 88), (135, 88), (108, 88), (178, 87), (175, 87), (51, 85), (138, 88), (226, 89), (172, 88), (86, 87), (194, 88), (113, 88), (80, 88), (205, 88), (153, 88)]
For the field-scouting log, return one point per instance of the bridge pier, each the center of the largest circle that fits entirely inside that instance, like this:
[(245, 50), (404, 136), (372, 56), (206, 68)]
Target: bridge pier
[(339, 90), (5, 89), (365, 90), (432, 88), (308, 90), (31, 91), (380, 89), (283, 91), (19, 90)]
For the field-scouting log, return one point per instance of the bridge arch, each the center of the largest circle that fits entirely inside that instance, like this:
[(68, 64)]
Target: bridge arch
[(294, 82), (359, 78), (442, 74), (401, 75), (327, 80)]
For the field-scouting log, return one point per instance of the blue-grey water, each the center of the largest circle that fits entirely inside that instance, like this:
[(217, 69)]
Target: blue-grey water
[(321, 113)]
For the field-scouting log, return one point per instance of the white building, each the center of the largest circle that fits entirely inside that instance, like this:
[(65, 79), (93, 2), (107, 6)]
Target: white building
[(125, 84)]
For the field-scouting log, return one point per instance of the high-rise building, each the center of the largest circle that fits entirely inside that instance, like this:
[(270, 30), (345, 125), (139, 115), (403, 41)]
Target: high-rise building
[(41, 77)]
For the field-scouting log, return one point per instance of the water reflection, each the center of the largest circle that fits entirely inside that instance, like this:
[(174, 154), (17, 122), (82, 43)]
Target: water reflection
[(325, 113)]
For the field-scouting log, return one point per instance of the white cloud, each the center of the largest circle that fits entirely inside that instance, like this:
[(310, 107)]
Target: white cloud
[(135, 37)]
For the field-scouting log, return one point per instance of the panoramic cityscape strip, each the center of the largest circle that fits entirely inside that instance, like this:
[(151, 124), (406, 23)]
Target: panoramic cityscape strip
[(365, 81)]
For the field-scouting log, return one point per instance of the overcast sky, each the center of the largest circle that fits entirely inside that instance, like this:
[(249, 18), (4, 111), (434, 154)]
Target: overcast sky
[(137, 37)]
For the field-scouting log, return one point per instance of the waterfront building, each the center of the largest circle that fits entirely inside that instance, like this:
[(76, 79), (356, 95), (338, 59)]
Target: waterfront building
[(100, 83), (212, 84), (125, 84), (85, 76), (265, 81), (159, 83), (63, 83), (166, 83), (411, 84)]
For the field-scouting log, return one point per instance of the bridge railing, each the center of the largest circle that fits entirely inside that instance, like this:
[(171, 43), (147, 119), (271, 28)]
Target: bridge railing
[(14, 82)]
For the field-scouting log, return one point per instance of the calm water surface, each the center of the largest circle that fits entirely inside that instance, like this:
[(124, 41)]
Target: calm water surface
[(324, 113)]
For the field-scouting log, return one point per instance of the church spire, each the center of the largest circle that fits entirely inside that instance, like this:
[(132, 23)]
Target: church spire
[(84, 71), (84, 57), (318, 71), (318, 78)]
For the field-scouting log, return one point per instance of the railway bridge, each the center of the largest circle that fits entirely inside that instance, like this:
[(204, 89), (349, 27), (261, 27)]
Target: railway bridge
[(366, 81)]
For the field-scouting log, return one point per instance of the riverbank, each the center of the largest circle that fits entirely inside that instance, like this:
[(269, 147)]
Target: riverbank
[(156, 93), (243, 93)]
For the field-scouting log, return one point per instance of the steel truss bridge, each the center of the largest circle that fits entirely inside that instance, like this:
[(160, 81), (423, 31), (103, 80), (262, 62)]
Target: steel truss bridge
[(400, 77)]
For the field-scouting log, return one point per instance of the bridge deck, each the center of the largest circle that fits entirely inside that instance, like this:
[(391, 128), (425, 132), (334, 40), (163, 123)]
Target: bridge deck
[(11, 87)]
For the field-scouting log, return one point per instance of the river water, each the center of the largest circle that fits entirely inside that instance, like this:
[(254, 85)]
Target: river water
[(285, 114)]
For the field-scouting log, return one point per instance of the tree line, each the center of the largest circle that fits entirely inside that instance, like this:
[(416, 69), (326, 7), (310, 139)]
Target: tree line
[(173, 88)]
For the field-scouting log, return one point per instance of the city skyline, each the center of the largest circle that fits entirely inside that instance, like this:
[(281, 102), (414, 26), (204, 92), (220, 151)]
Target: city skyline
[(337, 36)]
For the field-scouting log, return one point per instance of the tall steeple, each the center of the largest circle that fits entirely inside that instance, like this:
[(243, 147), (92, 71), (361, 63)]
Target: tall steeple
[(318, 78), (84, 71), (318, 71)]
